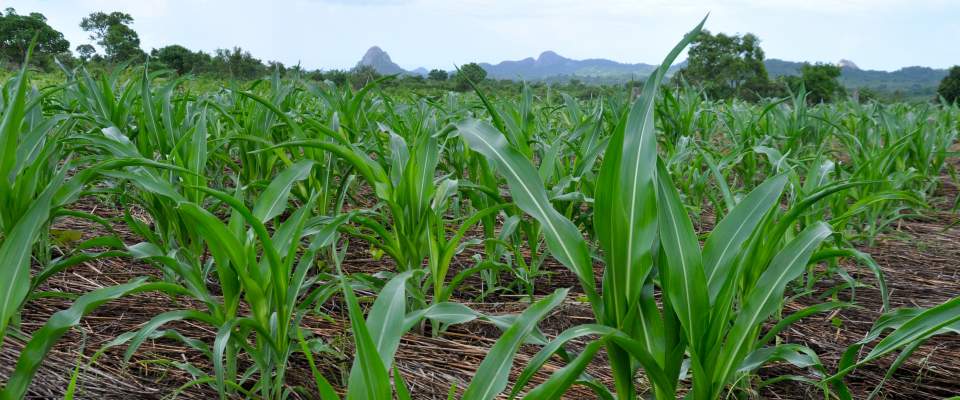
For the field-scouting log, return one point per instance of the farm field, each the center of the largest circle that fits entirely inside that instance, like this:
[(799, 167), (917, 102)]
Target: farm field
[(284, 238)]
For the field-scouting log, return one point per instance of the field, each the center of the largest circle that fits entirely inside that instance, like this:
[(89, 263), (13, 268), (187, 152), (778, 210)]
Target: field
[(291, 239)]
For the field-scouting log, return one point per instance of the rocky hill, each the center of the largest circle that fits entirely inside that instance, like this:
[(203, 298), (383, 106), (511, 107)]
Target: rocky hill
[(380, 61), (550, 66)]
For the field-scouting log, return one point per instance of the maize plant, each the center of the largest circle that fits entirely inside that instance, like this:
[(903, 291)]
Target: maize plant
[(687, 223), (715, 299)]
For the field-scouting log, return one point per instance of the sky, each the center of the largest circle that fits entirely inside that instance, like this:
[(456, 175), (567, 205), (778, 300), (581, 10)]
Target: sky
[(328, 34)]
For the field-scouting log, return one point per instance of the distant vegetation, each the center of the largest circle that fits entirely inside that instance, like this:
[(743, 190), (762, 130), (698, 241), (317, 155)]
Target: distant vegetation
[(16, 32), (949, 88), (727, 67), (909, 83), (723, 66)]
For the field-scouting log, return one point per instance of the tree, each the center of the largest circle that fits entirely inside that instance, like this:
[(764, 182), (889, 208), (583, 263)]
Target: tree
[(86, 51), (237, 63), (181, 59), (822, 83), (17, 31), (867, 95), (338, 77), (122, 43), (362, 75), (315, 75), (277, 66), (471, 72), (296, 70), (437, 75), (415, 79), (113, 32), (949, 88), (99, 22), (727, 66)]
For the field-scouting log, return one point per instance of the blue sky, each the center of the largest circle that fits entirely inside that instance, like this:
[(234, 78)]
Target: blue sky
[(875, 34)]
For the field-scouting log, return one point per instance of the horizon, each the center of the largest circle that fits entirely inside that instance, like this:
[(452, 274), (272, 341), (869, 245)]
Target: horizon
[(679, 61), (884, 35)]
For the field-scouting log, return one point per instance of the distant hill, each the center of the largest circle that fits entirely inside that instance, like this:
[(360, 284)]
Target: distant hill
[(552, 67), (550, 64), (380, 61), (909, 80)]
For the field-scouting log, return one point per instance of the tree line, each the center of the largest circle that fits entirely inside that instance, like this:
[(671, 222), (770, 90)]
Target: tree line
[(732, 66), (722, 66)]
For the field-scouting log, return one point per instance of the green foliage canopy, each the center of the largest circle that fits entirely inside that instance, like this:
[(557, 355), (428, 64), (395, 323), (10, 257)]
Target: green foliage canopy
[(727, 66), (113, 32), (437, 75), (822, 82), (180, 58), (237, 63), (949, 87), (17, 31), (471, 72)]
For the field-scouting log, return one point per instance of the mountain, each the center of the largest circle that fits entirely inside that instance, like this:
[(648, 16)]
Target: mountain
[(921, 81), (777, 67), (550, 64), (844, 63), (552, 67), (380, 61)]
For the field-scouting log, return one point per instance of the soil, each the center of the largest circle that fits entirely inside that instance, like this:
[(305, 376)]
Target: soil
[(920, 259)]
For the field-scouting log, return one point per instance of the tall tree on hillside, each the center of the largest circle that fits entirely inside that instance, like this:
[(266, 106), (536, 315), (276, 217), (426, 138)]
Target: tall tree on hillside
[(113, 32), (17, 31), (822, 82), (727, 66), (949, 88)]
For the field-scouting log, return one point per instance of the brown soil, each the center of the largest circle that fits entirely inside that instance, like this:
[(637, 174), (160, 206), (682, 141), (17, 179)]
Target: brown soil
[(920, 259)]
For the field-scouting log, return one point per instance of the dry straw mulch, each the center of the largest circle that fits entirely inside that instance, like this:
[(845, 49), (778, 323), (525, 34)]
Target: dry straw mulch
[(921, 261)]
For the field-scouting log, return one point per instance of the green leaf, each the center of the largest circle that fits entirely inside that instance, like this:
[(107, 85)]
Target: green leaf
[(729, 236), (764, 298), (492, 374), (31, 357), (560, 381), (386, 324), (683, 278), (928, 323), (795, 354), (10, 126), (15, 252), (401, 387), (537, 362), (563, 238), (625, 213), (273, 201), (159, 320), (373, 382), (324, 388)]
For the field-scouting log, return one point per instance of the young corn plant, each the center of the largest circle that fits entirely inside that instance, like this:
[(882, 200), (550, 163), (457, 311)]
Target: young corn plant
[(414, 230), (911, 327), (377, 339), (715, 300), (35, 190), (266, 271)]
